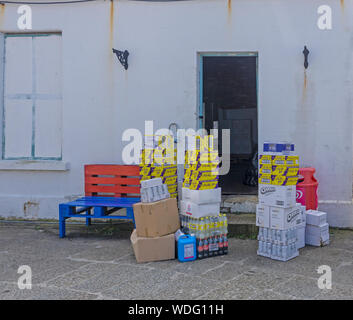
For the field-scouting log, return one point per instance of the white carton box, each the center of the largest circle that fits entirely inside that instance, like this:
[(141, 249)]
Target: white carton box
[(199, 210), (301, 236), (151, 183), (262, 216), (317, 235), (156, 193), (277, 196), (316, 218), (202, 196), (322, 240), (285, 218), (317, 231)]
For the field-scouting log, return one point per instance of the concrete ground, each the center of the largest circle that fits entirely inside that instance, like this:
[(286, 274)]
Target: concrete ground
[(97, 262)]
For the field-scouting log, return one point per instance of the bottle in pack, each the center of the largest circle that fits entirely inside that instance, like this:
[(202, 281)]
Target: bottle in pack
[(201, 236), (220, 237), (205, 242), (225, 234)]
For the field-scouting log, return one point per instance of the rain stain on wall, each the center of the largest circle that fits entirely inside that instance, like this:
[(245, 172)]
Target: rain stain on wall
[(2, 14), (229, 8)]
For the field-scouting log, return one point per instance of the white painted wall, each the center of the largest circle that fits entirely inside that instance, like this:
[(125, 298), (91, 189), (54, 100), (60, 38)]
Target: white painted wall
[(101, 99)]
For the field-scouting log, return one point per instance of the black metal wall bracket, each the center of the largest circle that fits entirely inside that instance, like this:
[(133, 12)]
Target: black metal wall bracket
[(306, 53), (122, 56)]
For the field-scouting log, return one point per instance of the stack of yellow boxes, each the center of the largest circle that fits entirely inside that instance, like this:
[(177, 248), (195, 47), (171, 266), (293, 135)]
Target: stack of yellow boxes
[(201, 166), (160, 162), (280, 170)]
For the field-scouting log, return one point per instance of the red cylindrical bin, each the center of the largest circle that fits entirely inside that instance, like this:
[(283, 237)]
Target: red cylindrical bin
[(307, 189)]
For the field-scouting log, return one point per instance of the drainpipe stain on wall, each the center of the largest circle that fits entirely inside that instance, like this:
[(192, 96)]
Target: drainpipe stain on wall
[(2, 14)]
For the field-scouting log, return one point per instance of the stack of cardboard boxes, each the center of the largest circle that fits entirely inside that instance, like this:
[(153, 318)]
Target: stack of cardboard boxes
[(201, 200), (201, 196), (317, 228), (277, 214), (156, 222)]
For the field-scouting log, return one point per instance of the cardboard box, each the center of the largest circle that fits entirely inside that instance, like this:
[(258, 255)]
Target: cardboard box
[(153, 249), (195, 210), (285, 218), (262, 216), (301, 236), (316, 218), (202, 196), (284, 180), (277, 196), (156, 219)]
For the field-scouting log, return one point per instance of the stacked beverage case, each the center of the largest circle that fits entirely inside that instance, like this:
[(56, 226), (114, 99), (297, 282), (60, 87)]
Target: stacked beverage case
[(210, 232), (278, 215), (201, 199)]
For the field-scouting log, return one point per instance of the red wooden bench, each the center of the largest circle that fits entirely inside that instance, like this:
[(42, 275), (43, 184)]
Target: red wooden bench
[(108, 188)]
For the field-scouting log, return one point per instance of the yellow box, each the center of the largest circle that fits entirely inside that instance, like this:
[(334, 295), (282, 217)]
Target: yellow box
[(204, 175), (203, 185), (265, 179), (170, 180), (164, 171), (265, 169), (145, 171), (174, 195), (285, 171), (281, 170), (284, 181), (285, 160), (209, 157), (265, 159), (172, 188)]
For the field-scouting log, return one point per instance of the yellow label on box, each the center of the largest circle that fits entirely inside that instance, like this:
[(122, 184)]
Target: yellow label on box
[(174, 195), (285, 160), (284, 181), (265, 179), (209, 157), (164, 171), (265, 159), (206, 166), (265, 169), (285, 171), (188, 173), (186, 183), (203, 185), (172, 188), (204, 175), (145, 171), (170, 180)]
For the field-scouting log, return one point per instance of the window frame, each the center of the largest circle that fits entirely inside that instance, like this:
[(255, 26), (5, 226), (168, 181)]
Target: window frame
[(33, 157)]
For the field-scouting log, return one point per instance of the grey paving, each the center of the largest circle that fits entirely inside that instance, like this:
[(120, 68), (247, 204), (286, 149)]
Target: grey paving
[(93, 263)]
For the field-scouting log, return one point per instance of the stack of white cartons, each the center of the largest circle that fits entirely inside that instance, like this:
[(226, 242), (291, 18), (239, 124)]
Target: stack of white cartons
[(277, 214), (317, 228), (153, 190)]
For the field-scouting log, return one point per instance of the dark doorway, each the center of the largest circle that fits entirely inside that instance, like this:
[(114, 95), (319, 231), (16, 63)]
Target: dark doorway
[(229, 98)]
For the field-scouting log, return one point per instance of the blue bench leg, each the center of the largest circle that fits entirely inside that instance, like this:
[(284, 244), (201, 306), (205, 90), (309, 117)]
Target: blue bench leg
[(130, 215), (88, 221), (62, 230)]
